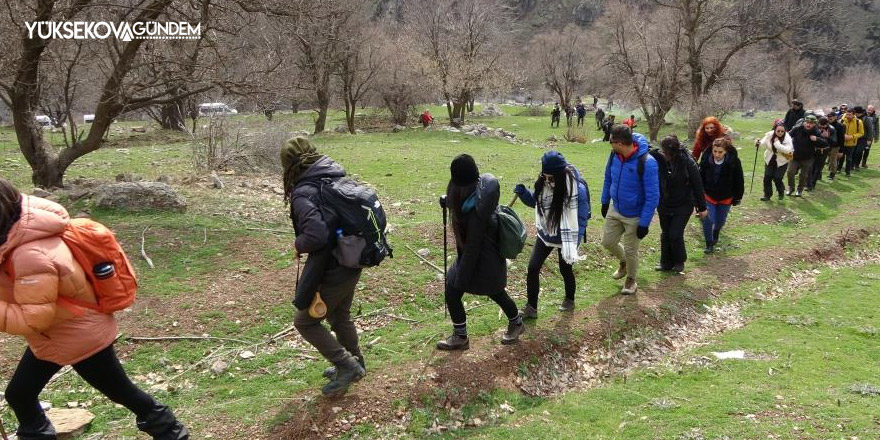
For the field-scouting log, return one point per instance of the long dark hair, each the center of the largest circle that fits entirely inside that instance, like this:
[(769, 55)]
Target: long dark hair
[(10, 208), (561, 198), (672, 149)]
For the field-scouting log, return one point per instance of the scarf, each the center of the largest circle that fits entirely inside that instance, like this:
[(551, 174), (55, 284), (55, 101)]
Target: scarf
[(567, 231)]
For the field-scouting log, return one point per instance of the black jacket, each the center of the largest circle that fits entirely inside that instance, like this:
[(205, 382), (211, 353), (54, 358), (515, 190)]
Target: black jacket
[(792, 116), (730, 183), (804, 148), (314, 229), (479, 267), (680, 182), (839, 130)]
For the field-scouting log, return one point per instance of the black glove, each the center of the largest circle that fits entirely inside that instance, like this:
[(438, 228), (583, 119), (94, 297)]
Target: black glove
[(736, 202), (519, 189), (641, 232), (604, 210)]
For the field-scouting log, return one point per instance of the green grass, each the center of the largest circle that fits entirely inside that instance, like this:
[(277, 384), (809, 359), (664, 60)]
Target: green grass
[(410, 170)]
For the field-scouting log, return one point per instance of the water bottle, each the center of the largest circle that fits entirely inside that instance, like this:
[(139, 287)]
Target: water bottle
[(339, 233), (104, 270)]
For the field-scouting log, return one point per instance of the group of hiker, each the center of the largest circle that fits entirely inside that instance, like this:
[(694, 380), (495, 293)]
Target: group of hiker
[(47, 295)]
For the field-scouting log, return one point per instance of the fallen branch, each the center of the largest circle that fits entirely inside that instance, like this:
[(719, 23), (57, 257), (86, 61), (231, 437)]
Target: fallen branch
[(143, 252), (374, 312), (425, 259), (402, 318), (185, 338)]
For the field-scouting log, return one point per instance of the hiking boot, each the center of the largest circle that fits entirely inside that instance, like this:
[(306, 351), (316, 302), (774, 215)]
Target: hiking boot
[(790, 192), (347, 373), (678, 268), (330, 372), (528, 312), (161, 424), (781, 196), (566, 306), (765, 199), (831, 177), (629, 287), (798, 193), (454, 342), (710, 248), (41, 431), (513, 332), (621, 271), (662, 267)]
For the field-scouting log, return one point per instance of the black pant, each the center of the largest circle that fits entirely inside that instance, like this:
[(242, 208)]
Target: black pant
[(865, 155), (539, 255), (816, 172), (456, 306), (773, 174), (848, 153), (102, 371), (672, 224)]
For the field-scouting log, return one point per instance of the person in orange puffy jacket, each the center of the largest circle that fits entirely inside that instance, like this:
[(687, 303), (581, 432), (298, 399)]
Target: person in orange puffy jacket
[(37, 274)]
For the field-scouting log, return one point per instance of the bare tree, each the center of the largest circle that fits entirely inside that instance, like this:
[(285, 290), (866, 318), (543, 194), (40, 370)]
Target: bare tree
[(462, 38), (402, 83), (559, 60), (646, 55), (360, 63), (791, 76)]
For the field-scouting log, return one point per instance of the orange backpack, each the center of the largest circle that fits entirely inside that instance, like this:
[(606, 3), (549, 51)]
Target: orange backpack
[(93, 245)]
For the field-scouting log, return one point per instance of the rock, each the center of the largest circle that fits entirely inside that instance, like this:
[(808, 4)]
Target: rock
[(215, 179), (247, 354), (398, 128), (219, 367), (79, 193), (128, 177), (139, 129), (491, 110), (83, 214), (358, 131), (164, 178), (70, 423), (340, 129), (424, 252), (40, 192), (139, 196), (553, 139)]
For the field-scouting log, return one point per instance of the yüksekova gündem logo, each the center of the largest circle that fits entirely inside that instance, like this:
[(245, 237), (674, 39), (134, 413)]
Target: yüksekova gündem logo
[(101, 30)]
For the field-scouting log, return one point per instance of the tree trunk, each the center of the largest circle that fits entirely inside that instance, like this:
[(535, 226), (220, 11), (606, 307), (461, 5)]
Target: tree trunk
[(323, 105), (350, 106), (172, 116)]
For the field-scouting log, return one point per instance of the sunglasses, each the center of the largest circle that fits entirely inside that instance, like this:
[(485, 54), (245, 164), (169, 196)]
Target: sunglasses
[(548, 178)]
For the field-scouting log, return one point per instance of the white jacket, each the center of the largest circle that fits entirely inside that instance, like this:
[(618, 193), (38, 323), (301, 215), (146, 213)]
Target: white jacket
[(784, 149)]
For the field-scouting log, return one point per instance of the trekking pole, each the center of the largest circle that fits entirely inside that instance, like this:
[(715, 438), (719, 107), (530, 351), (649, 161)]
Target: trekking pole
[(443, 208), (513, 201), (754, 167)]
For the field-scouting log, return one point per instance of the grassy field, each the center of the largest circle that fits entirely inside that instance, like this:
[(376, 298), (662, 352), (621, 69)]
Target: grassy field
[(226, 269)]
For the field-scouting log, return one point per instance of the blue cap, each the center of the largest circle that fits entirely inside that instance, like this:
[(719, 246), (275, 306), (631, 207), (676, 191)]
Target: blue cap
[(553, 162)]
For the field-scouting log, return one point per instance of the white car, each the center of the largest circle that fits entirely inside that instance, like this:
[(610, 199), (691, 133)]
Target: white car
[(216, 108), (88, 119), (43, 120)]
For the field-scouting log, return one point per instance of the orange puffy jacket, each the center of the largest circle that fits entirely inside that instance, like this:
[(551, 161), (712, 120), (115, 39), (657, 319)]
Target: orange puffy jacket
[(33, 304)]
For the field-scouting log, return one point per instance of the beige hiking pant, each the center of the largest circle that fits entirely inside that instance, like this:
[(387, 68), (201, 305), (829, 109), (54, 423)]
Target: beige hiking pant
[(618, 227)]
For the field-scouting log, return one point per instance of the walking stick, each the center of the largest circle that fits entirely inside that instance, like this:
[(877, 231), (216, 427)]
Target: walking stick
[(443, 208), (754, 167)]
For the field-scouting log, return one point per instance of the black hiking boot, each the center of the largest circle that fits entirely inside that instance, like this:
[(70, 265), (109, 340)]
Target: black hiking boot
[(330, 372), (162, 424), (454, 342), (529, 312), (514, 330), (44, 431), (566, 306), (347, 373)]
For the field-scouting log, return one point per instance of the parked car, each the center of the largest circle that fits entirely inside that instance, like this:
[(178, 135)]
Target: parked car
[(216, 108), (88, 119), (43, 120)]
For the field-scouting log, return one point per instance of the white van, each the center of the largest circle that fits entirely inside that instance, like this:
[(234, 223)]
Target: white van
[(88, 119), (216, 108), (43, 120)]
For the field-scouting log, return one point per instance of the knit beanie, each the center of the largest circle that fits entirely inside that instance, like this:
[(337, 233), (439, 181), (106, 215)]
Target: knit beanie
[(553, 162), (464, 170)]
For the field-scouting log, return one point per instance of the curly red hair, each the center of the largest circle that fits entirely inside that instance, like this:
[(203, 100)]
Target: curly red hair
[(703, 141)]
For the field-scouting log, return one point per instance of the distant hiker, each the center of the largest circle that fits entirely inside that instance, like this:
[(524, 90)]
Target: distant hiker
[(794, 114), (595, 102), (41, 284), (426, 118), (569, 113), (554, 115), (863, 143), (631, 183), (710, 129), (778, 151), (806, 139), (724, 186), (607, 125), (681, 193), (304, 168), (479, 267), (581, 113), (853, 130), (873, 121), (835, 151), (630, 122), (562, 209), (600, 116)]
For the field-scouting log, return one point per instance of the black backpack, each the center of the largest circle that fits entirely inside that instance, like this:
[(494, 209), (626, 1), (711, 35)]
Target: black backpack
[(360, 236)]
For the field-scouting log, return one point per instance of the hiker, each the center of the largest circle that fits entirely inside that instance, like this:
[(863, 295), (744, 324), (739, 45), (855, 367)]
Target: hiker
[(710, 129), (479, 267), (778, 151), (631, 183), (794, 114), (863, 144), (304, 168), (724, 185), (871, 120), (554, 115), (426, 118), (835, 154), (595, 102), (600, 117), (569, 113), (806, 139), (821, 152), (607, 125), (581, 113), (681, 194), (630, 122), (40, 282), (853, 130), (562, 209)]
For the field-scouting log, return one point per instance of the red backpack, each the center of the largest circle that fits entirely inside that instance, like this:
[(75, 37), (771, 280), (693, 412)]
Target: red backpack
[(104, 263)]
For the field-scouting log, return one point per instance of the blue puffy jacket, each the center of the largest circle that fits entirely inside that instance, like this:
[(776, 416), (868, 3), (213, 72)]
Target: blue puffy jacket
[(584, 209), (633, 196)]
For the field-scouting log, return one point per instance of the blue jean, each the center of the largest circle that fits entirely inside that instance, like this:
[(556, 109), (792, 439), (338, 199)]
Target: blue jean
[(715, 220)]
